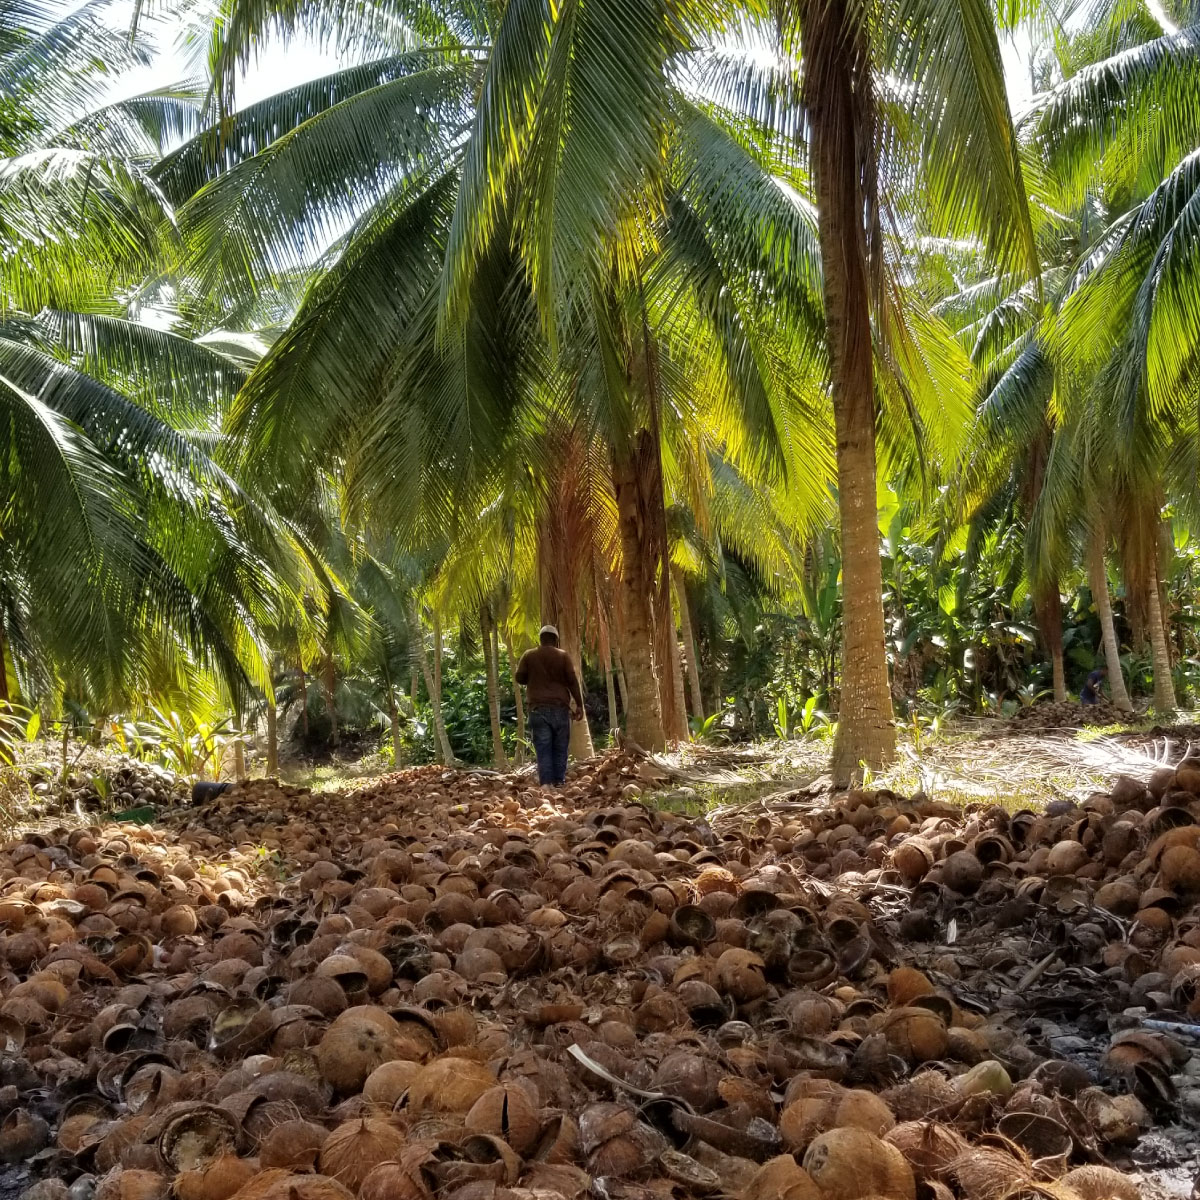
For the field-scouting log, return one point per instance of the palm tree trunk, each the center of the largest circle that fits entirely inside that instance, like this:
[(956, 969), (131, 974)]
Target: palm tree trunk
[(1098, 579), (666, 655), (567, 618), (832, 38), (680, 733), (643, 716), (5, 696), (394, 719), (519, 752), (1160, 653), (689, 646), (437, 653), (1047, 608), (610, 687), (499, 758), (239, 758), (303, 701), (329, 684), (272, 736), (432, 677)]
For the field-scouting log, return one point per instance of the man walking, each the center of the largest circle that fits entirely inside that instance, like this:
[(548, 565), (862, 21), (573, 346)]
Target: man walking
[(551, 684)]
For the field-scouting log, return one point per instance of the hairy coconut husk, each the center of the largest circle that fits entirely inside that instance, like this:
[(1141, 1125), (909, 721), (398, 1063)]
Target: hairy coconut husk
[(803, 1120), (284, 1185), (781, 1178), (1093, 1182), (1179, 868), (508, 1112), (293, 1146), (929, 1146), (986, 1174), (449, 1085), (847, 1164), (22, 1135), (219, 1180), (132, 1184), (354, 1147), (905, 984), (916, 1034), (408, 1177), (962, 872), (360, 1040)]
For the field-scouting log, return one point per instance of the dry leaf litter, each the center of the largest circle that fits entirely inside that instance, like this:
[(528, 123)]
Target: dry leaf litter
[(460, 986)]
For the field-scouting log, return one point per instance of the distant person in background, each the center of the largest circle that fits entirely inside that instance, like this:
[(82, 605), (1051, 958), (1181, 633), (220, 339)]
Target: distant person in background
[(550, 686), (1091, 693)]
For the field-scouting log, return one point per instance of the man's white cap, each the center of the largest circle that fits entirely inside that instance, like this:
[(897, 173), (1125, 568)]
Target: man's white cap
[(545, 629)]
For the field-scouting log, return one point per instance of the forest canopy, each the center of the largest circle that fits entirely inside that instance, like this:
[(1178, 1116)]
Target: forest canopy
[(763, 350)]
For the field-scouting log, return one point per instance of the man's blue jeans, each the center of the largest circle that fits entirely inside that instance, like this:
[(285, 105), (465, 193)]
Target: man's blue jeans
[(550, 732)]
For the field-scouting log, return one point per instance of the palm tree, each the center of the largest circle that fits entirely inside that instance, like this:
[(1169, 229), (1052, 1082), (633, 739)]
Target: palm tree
[(880, 94), (1117, 333), (479, 324), (128, 553)]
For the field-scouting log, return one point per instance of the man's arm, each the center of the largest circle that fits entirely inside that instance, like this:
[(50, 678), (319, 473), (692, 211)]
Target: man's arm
[(522, 672)]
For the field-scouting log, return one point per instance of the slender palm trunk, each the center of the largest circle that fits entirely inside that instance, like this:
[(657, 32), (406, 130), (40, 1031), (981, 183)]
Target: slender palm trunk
[(432, 675), (689, 646), (5, 696), (680, 732), (272, 736), (394, 720), (437, 653), (1047, 607), (832, 38), (1160, 653), (610, 687), (643, 716), (499, 758), (581, 746), (1098, 579), (519, 752), (239, 757), (666, 648), (303, 701), (329, 684)]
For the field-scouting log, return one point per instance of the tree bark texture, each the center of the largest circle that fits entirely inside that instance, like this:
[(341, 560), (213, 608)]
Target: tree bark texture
[(836, 77), (499, 758), (432, 676), (1047, 608), (394, 720), (272, 736), (564, 561), (681, 732), (5, 695), (303, 701), (689, 645), (643, 714), (1098, 580), (519, 751), (1160, 652), (329, 685)]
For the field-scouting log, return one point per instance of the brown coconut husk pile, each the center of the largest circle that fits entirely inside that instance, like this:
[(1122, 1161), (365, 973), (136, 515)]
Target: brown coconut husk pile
[(461, 986), (1066, 714)]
